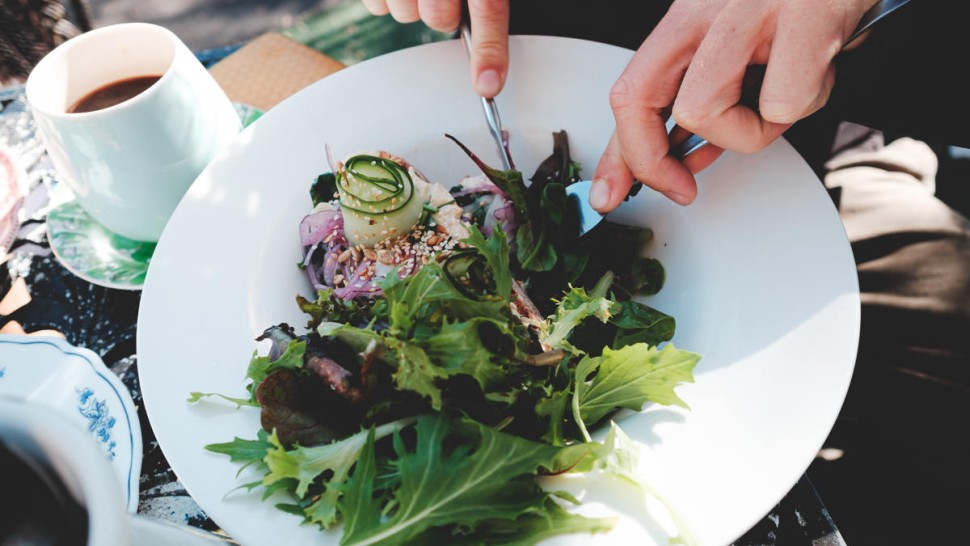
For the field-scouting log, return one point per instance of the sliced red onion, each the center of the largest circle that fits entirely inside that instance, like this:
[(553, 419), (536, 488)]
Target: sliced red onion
[(330, 264), (316, 226), (506, 217)]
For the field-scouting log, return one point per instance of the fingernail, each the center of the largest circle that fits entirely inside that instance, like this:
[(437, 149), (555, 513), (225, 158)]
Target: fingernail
[(489, 83), (599, 194), (678, 198)]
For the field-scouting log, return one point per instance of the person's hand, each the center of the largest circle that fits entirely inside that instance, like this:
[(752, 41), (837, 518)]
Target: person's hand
[(692, 66), (490, 32)]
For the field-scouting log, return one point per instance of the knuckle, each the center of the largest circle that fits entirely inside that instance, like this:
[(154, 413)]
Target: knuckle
[(612, 157), (487, 7), (759, 139), (782, 111), (644, 169), (490, 52), (490, 15), (622, 95)]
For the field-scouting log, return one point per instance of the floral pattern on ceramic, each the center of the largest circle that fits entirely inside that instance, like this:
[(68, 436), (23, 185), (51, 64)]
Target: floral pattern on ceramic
[(100, 421)]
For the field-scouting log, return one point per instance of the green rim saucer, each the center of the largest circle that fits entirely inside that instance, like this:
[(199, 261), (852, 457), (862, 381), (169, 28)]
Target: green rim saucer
[(87, 249), (90, 251)]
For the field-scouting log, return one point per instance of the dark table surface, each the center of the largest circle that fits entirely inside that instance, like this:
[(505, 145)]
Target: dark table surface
[(105, 321)]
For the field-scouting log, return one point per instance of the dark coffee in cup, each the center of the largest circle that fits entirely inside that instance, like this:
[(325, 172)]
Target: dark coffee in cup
[(112, 94), (44, 512)]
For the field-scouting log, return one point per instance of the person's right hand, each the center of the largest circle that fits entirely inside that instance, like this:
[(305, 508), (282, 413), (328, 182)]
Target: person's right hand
[(490, 32), (693, 65)]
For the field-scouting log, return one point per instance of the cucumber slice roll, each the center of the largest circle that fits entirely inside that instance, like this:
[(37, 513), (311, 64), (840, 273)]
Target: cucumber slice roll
[(379, 198)]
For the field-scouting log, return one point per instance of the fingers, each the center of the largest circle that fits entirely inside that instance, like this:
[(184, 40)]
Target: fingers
[(489, 23), (611, 180), (376, 7), (490, 45), (700, 159), (440, 15), (708, 100), (800, 76), (404, 11), (639, 99)]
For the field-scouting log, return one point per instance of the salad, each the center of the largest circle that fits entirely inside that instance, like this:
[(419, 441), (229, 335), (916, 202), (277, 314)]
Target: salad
[(463, 343)]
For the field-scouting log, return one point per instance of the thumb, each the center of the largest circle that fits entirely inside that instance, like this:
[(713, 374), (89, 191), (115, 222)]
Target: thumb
[(612, 179)]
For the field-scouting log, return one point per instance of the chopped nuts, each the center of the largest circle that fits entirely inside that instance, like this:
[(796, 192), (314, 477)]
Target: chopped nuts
[(385, 257)]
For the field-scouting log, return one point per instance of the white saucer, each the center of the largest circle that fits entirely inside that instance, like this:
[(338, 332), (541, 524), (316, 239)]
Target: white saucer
[(74, 380), (87, 249)]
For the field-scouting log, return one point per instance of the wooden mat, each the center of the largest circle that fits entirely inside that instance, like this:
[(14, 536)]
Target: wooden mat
[(270, 68)]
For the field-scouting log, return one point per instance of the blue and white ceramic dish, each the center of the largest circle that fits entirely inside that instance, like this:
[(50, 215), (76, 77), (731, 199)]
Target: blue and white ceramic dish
[(74, 380)]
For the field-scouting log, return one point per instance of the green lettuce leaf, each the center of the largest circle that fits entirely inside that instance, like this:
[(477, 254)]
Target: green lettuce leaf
[(356, 506), (261, 366), (196, 396), (528, 529), (488, 475), (305, 465), (620, 457), (244, 451), (415, 371), (459, 347), (639, 323), (629, 378), (426, 297), (329, 307), (574, 308), (510, 182), (495, 250)]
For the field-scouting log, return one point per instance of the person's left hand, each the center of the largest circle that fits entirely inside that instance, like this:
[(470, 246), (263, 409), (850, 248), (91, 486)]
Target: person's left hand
[(490, 40)]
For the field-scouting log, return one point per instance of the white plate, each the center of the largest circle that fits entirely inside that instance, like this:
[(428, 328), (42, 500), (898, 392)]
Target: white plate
[(761, 281), (74, 381)]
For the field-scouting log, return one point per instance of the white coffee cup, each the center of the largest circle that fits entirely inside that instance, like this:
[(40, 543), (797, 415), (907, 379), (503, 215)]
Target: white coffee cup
[(129, 164)]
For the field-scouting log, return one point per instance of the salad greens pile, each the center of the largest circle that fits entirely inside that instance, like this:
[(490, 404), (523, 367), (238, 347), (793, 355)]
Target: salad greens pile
[(424, 412)]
